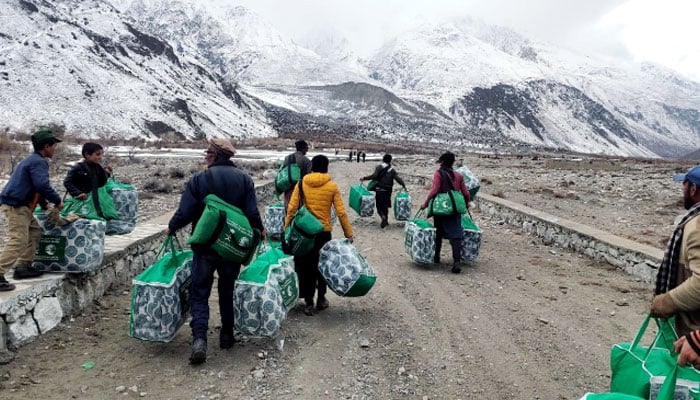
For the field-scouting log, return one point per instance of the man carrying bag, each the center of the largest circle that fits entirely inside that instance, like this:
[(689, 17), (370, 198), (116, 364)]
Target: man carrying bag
[(236, 188)]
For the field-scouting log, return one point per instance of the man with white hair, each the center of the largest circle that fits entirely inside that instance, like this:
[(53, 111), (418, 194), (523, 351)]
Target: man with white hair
[(235, 187)]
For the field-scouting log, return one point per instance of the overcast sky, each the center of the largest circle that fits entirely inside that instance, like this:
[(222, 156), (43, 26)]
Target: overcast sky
[(662, 31)]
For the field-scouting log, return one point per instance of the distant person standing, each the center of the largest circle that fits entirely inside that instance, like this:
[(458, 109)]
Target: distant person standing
[(448, 226), (358, 156), (385, 175), (28, 186), (299, 158), (363, 156), (235, 187), (88, 175)]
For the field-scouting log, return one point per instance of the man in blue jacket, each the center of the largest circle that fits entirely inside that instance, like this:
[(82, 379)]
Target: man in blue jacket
[(236, 188), (28, 186)]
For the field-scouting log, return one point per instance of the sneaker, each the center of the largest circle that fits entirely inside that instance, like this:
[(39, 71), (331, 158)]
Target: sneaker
[(199, 352), (26, 271), (322, 304), (226, 340), (5, 286)]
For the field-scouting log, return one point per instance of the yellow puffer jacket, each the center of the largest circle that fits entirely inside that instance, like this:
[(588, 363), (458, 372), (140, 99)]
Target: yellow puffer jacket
[(320, 193)]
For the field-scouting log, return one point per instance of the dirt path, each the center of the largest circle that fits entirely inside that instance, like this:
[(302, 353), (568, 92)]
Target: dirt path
[(527, 321)]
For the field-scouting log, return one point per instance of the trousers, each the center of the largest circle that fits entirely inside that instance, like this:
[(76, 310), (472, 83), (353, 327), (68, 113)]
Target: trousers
[(23, 233), (306, 266), (203, 268)]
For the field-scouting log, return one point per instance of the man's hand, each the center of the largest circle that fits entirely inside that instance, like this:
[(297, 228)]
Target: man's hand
[(59, 206), (686, 353), (351, 239), (81, 196), (662, 306)]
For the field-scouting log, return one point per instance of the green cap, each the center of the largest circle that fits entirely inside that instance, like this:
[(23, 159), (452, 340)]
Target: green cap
[(44, 135)]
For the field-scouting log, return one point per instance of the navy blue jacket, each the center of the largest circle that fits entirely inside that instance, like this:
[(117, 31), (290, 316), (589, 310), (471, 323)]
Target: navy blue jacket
[(233, 186), (31, 176)]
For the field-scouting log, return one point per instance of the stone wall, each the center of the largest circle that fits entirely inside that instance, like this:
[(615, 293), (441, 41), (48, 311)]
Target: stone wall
[(38, 305)]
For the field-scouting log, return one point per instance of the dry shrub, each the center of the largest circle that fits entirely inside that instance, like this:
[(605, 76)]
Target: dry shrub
[(176, 173), (499, 194), (486, 181), (158, 186), (567, 195)]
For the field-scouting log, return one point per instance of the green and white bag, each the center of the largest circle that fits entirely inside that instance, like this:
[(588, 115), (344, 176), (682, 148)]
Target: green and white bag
[(225, 229), (446, 203), (263, 294), (361, 200), (160, 294), (344, 269), (287, 177), (419, 239), (402, 205), (101, 207), (126, 201), (633, 365), (75, 247), (472, 239), (300, 236), (273, 219), (470, 180)]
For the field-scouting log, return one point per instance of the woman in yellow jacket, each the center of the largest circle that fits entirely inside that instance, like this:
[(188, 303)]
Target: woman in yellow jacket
[(320, 193)]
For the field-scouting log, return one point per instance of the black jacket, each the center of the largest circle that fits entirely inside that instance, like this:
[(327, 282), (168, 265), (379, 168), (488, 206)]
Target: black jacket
[(232, 185), (85, 177), (385, 175)]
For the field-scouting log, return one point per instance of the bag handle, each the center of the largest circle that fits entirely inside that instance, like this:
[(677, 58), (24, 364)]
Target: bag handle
[(419, 213), (171, 243)]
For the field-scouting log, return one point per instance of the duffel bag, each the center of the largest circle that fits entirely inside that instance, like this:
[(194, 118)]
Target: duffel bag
[(263, 294), (93, 207), (160, 294), (287, 177), (273, 219), (75, 247), (402, 206), (300, 235), (472, 239), (225, 229), (126, 199), (419, 239), (344, 269), (361, 200)]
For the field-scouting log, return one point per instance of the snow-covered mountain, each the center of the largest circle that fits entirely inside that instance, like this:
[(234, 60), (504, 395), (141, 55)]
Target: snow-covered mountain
[(155, 66), (494, 79), (81, 65)]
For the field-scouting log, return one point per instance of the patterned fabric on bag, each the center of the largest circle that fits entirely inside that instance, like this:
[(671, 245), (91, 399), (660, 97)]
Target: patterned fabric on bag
[(74, 247), (263, 294), (419, 240), (472, 239), (126, 200), (344, 269), (402, 206), (273, 219), (470, 180), (160, 297), (361, 200)]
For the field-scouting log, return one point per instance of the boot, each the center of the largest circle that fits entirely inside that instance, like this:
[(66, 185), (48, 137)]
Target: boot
[(385, 221), (25, 271), (226, 340), (199, 351), (456, 269), (309, 308), (5, 286), (322, 304)]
